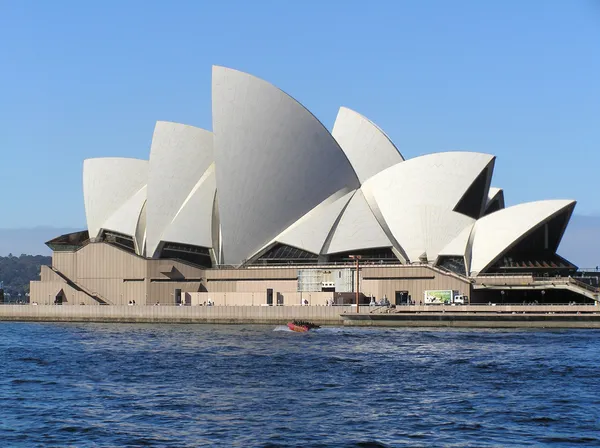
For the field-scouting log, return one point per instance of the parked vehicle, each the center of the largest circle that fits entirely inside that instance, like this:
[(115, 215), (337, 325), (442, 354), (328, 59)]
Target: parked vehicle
[(444, 297)]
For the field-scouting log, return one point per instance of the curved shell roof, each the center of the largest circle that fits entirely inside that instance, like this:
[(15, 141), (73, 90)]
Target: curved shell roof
[(125, 219), (312, 230), (271, 173), (459, 245), (367, 147), (494, 234), (275, 162), (357, 228), (416, 199), (108, 183), (193, 222), (495, 199), (179, 156)]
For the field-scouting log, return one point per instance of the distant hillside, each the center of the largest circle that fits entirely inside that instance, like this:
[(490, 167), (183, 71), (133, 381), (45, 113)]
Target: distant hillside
[(17, 272), (29, 241)]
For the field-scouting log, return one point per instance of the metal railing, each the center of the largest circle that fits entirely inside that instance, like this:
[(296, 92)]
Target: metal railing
[(583, 285), (506, 274)]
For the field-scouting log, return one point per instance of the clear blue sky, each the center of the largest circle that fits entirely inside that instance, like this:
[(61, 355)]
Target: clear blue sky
[(518, 79)]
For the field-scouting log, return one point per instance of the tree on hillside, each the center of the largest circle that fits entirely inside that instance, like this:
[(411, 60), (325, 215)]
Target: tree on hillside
[(17, 272)]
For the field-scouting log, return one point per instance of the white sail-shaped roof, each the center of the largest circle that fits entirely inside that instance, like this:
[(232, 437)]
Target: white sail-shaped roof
[(270, 175), (367, 147), (494, 195), (311, 231), (414, 201), (108, 183), (125, 220), (496, 233), (179, 156), (193, 222), (274, 162), (459, 245), (423, 231), (357, 228), (140, 233)]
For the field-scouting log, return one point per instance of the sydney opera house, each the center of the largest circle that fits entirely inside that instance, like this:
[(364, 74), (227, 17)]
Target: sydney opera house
[(270, 207)]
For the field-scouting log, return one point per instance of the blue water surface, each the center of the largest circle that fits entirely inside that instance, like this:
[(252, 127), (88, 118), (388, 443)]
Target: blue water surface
[(200, 385)]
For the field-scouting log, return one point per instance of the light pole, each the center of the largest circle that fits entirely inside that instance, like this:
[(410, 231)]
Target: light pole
[(357, 258)]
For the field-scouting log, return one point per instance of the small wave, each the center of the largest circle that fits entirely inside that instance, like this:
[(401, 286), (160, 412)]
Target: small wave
[(469, 426), (332, 330), (486, 365), (74, 429), (569, 440), (370, 444), (38, 361), (335, 360), (26, 381), (282, 328), (538, 420), (459, 361)]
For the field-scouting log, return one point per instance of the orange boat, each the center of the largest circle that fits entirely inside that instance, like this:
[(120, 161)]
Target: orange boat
[(301, 326)]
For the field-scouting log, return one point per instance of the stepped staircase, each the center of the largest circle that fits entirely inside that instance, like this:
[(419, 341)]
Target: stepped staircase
[(77, 287)]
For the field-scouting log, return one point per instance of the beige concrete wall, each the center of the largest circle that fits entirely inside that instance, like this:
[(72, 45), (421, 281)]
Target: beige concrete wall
[(164, 292), (119, 276), (112, 289), (380, 281), (259, 298), (98, 260), (65, 262), (229, 298), (44, 293), (134, 291), (45, 290), (160, 269), (313, 298), (252, 286), (253, 273), (48, 275), (272, 315)]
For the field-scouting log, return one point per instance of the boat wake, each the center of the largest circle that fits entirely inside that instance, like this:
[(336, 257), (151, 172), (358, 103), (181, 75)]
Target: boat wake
[(282, 328)]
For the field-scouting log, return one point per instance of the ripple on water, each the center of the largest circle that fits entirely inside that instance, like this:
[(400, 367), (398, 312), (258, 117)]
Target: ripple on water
[(193, 385)]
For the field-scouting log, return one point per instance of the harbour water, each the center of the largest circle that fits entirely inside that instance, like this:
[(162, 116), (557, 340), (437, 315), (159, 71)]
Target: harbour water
[(201, 385)]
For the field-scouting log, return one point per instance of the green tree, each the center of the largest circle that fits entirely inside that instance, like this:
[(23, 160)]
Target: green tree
[(17, 272)]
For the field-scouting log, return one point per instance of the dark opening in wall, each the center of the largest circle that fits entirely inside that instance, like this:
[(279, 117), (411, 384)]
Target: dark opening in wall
[(118, 239), (453, 263), (284, 254), (196, 255), (378, 255)]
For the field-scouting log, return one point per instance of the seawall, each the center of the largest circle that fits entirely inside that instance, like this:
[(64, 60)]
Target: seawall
[(174, 314), (468, 316)]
